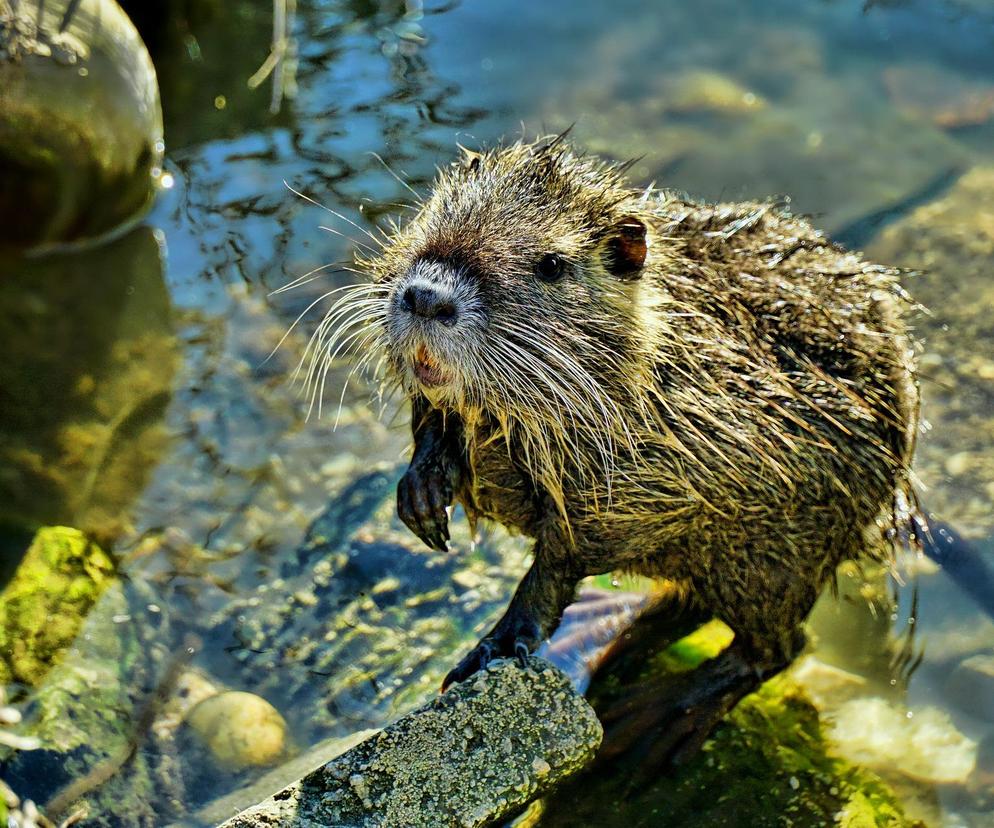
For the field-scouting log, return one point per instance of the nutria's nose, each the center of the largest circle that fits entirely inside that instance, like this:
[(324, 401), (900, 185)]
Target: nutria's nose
[(428, 303)]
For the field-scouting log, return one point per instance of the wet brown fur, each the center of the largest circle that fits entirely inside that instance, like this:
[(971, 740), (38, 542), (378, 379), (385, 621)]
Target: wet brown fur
[(751, 408)]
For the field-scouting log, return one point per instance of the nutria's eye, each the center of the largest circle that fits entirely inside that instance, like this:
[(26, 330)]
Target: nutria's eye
[(550, 267)]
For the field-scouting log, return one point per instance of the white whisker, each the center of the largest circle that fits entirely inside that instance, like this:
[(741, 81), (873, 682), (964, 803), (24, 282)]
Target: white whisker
[(338, 215)]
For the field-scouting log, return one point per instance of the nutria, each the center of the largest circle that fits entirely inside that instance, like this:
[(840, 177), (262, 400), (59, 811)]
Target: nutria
[(717, 395)]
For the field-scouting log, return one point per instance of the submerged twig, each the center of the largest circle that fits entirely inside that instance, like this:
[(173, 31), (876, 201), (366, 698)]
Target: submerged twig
[(103, 771), (281, 61)]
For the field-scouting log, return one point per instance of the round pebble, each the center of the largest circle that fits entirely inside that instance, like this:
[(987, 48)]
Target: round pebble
[(239, 729)]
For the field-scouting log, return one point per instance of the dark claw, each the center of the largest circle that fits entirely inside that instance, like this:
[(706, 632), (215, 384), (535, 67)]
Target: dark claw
[(515, 636), (421, 504), (477, 658), (440, 499), (521, 653)]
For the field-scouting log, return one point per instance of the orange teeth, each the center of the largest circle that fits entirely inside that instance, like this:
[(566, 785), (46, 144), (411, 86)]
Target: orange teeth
[(424, 357), (427, 369)]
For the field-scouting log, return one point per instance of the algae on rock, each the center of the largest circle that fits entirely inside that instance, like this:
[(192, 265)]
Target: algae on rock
[(43, 606), (767, 764), (83, 715)]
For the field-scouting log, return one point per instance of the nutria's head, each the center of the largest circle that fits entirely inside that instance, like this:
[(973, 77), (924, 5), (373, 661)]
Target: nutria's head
[(516, 279), (514, 293)]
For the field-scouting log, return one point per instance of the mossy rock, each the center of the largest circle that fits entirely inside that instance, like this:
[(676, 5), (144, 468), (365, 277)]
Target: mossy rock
[(43, 606), (83, 714), (768, 764)]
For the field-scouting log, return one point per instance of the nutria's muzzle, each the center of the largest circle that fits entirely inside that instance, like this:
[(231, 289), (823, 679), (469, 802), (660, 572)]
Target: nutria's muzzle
[(428, 294), (430, 314)]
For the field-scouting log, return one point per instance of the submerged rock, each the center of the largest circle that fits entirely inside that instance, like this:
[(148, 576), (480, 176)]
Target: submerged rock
[(80, 123), (472, 757), (239, 729), (971, 686), (947, 99), (83, 718), (825, 683), (923, 744), (43, 606), (712, 138), (701, 90)]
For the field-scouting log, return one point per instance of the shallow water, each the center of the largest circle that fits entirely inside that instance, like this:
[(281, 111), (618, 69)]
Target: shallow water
[(145, 406)]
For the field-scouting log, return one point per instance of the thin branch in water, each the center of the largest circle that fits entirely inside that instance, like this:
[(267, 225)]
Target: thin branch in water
[(139, 730), (280, 62), (69, 15)]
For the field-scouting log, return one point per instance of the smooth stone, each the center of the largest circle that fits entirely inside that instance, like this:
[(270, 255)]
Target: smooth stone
[(80, 122), (706, 91), (239, 729), (446, 764), (959, 463)]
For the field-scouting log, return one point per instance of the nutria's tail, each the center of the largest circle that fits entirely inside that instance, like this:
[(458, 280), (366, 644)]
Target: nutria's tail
[(969, 564)]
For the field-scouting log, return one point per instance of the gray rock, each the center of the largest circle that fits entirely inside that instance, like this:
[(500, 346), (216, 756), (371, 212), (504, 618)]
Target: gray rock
[(278, 778), (447, 763)]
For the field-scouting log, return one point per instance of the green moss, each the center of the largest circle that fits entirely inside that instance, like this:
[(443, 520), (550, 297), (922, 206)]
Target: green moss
[(767, 764), (44, 604), (83, 713), (770, 758), (692, 650)]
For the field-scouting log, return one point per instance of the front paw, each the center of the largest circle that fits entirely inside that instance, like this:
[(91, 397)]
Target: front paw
[(513, 636), (423, 495)]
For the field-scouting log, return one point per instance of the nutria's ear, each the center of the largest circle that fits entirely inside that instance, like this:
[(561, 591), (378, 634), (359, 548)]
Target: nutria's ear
[(470, 158), (626, 249)]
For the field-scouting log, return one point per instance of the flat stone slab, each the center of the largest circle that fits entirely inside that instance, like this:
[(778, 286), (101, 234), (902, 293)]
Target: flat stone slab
[(474, 756)]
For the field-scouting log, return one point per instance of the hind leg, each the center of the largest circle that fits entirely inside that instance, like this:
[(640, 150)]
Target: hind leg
[(663, 720)]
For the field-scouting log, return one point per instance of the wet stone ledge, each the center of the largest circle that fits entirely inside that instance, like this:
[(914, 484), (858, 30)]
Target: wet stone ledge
[(474, 756)]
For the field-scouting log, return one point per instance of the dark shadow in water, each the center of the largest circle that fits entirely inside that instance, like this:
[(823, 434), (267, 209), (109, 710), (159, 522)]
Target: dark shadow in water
[(84, 382), (969, 564), (860, 232)]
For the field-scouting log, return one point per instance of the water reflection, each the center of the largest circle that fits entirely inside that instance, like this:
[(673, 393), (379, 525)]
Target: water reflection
[(85, 383)]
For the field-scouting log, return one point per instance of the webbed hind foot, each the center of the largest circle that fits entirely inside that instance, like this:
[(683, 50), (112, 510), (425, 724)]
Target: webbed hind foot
[(660, 722)]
